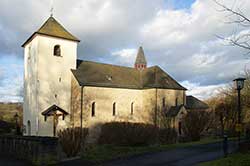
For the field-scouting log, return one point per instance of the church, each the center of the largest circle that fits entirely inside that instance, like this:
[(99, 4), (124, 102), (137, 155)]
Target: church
[(61, 91)]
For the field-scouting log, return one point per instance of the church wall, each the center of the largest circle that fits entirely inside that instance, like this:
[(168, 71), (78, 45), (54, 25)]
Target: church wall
[(104, 99), (149, 105), (53, 81), (30, 88), (144, 103), (153, 98), (75, 102), (170, 96)]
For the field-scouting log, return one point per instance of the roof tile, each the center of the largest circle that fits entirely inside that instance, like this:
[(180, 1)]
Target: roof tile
[(106, 75)]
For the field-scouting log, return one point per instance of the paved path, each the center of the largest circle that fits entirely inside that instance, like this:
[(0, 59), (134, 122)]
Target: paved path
[(8, 161), (177, 157)]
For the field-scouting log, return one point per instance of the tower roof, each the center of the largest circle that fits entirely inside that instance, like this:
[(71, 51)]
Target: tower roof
[(140, 58), (53, 28)]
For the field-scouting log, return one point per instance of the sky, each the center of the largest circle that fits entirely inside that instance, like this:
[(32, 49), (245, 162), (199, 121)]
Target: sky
[(177, 35)]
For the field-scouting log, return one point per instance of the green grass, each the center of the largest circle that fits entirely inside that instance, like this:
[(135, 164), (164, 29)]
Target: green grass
[(101, 153), (238, 159)]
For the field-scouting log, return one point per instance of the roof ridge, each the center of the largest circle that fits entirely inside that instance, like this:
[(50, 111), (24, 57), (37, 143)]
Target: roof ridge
[(101, 63)]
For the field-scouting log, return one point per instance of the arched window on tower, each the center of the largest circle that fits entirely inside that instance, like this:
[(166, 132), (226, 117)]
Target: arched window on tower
[(57, 50), (114, 109), (93, 109), (176, 101), (132, 108)]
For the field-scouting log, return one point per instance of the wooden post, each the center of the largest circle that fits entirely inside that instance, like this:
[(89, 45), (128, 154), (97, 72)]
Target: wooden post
[(55, 122)]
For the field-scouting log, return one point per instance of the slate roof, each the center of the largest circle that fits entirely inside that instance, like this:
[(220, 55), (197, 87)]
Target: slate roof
[(140, 58), (173, 111), (53, 28), (106, 75), (194, 103)]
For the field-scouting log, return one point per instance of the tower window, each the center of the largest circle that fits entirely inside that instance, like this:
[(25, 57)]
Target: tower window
[(176, 102), (114, 109), (132, 108), (57, 50), (93, 109)]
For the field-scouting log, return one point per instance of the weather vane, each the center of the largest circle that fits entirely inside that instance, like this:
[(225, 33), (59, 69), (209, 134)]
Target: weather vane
[(51, 8)]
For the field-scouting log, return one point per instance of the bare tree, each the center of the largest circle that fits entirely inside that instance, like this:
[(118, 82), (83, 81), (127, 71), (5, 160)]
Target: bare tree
[(195, 122), (236, 16)]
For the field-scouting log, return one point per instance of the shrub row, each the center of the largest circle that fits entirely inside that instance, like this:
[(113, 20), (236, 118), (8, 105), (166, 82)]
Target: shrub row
[(135, 134), (72, 139), (116, 133)]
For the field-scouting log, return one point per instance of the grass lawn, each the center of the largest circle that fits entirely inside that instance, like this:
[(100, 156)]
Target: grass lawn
[(101, 153), (238, 159)]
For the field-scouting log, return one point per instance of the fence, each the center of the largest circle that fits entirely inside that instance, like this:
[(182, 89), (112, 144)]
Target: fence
[(37, 150)]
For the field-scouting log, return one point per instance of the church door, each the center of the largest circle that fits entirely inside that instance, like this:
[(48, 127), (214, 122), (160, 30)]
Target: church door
[(180, 128), (29, 127)]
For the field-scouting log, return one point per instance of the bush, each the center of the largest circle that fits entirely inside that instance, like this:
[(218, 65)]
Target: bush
[(125, 133), (5, 127), (167, 136), (195, 122), (71, 140)]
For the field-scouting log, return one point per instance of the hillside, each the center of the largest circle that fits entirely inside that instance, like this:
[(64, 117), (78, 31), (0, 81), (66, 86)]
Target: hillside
[(8, 110)]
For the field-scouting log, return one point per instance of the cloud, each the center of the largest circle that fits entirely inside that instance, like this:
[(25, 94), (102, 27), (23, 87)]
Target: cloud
[(125, 55), (203, 92), (179, 38)]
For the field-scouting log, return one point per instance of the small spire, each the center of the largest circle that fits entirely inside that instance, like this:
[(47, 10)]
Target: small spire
[(140, 62)]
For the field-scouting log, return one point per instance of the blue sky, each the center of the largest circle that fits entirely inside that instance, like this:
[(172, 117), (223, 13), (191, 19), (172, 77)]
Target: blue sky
[(11, 78), (177, 37), (181, 4)]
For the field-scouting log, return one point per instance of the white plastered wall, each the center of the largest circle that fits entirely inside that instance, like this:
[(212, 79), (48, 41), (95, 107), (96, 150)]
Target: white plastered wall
[(52, 82)]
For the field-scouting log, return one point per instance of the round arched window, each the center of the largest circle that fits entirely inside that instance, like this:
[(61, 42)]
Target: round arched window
[(57, 50)]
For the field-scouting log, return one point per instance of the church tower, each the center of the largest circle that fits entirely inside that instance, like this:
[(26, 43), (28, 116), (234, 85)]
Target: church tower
[(49, 55), (140, 62)]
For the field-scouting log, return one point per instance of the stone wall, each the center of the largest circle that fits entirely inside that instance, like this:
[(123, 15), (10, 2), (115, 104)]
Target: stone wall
[(37, 150), (145, 102)]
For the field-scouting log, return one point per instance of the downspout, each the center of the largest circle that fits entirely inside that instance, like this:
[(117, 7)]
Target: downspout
[(81, 142), (156, 102), (81, 108), (156, 105), (184, 98)]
